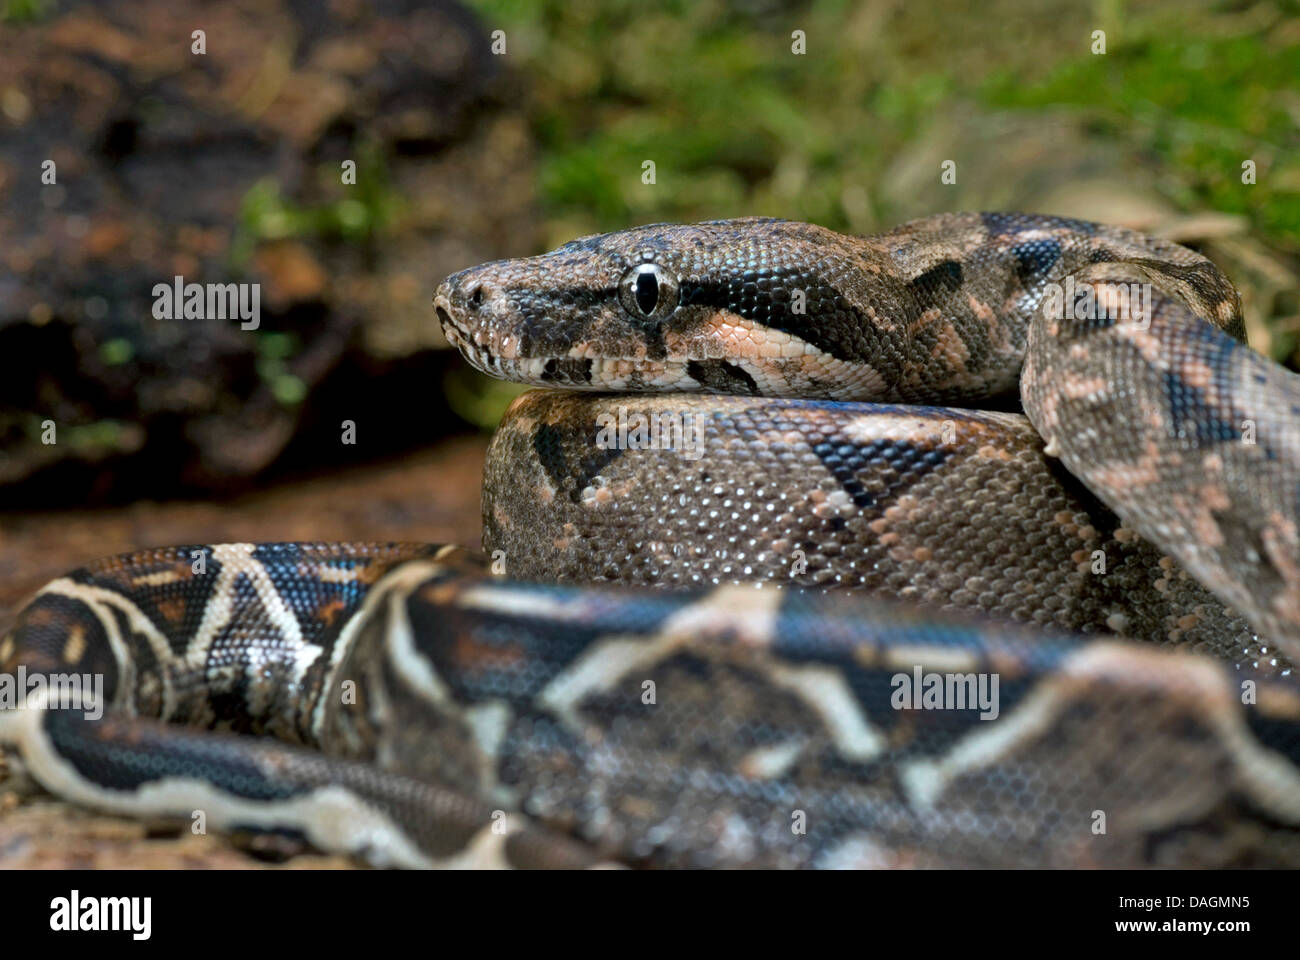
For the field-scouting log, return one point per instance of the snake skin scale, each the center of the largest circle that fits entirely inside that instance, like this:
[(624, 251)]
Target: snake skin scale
[(895, 635)]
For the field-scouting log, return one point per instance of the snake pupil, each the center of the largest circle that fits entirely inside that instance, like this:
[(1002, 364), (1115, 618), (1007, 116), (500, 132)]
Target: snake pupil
[(647, 291)]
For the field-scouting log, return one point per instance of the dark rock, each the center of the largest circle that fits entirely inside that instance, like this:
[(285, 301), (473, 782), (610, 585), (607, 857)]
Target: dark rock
[(225, 168)]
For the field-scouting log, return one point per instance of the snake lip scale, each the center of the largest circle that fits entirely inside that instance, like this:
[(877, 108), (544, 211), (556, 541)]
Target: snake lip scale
[(877, 617)]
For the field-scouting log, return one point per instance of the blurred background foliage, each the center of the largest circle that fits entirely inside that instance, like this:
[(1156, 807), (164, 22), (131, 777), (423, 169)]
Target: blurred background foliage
[(711, 91), (852, 134), (1134, 112)]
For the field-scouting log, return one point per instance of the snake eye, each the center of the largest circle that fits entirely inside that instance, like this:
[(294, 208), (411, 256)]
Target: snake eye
[(649, 291)]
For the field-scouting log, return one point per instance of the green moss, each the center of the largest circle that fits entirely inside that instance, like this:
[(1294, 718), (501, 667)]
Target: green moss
[(116, 351), (288, 389), (353, 215), (100, 437), (274, 349), (24, 11), (274, 345)]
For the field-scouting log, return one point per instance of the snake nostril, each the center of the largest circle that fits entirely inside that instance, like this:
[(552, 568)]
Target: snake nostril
[(475, 295)]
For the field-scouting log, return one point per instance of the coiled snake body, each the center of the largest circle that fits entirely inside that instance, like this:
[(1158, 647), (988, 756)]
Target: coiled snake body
[(1059, 644)]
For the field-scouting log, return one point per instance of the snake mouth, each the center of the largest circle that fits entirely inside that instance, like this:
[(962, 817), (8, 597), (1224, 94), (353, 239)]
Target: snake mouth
[(583, 366), (548, 369), (575, 373), (476, 354), (460, 337)]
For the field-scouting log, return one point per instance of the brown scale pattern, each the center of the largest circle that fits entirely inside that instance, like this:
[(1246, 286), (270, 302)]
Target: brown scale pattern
[(987, 525)]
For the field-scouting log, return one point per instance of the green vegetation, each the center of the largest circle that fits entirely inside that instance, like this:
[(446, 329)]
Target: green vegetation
[(115, 352), (352, 213), (736, 123), (273, 351), (1203, 105), (23, 11)]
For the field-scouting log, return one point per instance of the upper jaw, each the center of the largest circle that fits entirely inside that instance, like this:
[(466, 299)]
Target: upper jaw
[(443, 311), (457, 333)]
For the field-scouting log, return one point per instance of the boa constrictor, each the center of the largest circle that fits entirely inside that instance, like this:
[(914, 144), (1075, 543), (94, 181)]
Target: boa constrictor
[(1065, 644)]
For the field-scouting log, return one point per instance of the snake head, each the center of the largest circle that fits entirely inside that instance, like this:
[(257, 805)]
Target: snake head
[(751, 306)]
